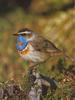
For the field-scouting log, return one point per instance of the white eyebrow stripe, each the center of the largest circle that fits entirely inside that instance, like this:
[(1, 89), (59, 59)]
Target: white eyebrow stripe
[(24, 32)]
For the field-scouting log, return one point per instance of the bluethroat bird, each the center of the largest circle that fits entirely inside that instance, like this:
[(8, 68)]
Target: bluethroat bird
[(33, 47)]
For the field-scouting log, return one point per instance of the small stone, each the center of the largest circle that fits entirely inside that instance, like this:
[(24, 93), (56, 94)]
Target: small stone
[(32, 94)]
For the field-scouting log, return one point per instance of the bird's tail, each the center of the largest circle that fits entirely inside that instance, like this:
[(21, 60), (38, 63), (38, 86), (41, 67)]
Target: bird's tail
[(56, 53), (60, 53)]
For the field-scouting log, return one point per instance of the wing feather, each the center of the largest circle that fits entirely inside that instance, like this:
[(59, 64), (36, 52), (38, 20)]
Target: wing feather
[(43, 45)]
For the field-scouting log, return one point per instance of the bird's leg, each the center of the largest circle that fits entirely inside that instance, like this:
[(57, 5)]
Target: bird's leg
[(31, 70), (32, 66)]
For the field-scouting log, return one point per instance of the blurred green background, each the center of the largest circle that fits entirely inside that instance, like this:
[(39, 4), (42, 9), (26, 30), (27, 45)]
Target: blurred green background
[(53, 19)]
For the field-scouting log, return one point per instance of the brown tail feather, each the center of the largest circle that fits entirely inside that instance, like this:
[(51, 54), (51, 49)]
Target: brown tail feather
[(61, 53), (57, 53)]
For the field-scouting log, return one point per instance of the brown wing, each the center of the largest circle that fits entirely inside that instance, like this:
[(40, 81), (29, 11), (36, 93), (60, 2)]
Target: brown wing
[(43, 45)]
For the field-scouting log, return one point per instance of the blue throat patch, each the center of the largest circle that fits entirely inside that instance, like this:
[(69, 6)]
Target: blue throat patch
[(23, 40)]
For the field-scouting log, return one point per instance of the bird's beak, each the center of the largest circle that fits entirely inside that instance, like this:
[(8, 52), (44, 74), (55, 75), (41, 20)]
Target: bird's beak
[(15, 34)]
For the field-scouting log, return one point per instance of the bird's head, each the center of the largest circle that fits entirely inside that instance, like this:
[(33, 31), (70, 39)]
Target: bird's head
[(24, 36), (26, 33)]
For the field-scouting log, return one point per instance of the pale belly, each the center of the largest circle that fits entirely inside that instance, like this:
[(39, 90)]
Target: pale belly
[(35, 56), (29, 54)]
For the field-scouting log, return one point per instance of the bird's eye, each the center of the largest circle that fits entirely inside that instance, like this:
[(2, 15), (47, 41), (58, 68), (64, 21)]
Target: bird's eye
[(27, 35)]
